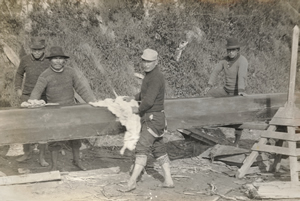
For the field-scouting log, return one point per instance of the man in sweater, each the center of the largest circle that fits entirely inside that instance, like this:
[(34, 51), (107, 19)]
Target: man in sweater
[(59, 82), (32, 65), (235, 67), (151, 110)]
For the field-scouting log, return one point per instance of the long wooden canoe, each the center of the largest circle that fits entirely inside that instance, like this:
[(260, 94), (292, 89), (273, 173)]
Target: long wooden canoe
[(55, 123)]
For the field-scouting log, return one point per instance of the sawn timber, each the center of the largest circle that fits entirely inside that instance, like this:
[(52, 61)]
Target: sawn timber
[(56, 123)]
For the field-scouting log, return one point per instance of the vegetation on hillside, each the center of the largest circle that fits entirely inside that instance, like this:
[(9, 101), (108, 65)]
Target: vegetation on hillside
[(105, 40)]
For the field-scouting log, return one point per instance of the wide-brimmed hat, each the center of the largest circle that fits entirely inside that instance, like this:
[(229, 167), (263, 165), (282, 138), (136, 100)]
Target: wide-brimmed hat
[(232, 43), (38, 43), (56, 51), (149, 55)]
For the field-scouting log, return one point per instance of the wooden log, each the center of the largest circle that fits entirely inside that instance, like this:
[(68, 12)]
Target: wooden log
[(55, 123), (30, 178), (189, 112)]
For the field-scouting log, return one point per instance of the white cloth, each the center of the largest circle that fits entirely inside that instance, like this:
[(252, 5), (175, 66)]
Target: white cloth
[(123, 110)]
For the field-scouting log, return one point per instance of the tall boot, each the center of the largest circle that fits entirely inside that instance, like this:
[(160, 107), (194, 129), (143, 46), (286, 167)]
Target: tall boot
[(140, 163), (42, 148), (27, 148), (76, 158), (54, 157), (164, 162)]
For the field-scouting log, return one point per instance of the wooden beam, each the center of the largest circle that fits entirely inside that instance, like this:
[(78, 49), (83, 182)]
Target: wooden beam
[(252, 157), (274, 149), (281, 136), (30, 178), (278, 190)]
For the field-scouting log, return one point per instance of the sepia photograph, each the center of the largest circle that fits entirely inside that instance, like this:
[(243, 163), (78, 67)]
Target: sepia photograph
[(131, 100)]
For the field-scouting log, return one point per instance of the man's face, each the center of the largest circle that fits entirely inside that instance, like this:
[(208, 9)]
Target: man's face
[(58, 63), (37, 53), (148, 65), (232, 53)]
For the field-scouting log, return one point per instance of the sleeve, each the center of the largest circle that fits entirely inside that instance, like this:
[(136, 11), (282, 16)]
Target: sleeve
[(20, 75), (150, 96), (242, 74), (39, 88), (85, 92), (137, 97), (213, 77)]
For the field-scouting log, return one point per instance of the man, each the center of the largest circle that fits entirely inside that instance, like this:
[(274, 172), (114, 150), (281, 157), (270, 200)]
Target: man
[(60, 82), (151, 110), (32, 65), (235, 67)]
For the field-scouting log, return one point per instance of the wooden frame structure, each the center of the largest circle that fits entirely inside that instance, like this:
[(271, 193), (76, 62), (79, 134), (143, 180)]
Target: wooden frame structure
[(287, 117)]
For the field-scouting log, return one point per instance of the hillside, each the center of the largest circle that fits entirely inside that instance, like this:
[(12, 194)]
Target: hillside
[(105, 39)]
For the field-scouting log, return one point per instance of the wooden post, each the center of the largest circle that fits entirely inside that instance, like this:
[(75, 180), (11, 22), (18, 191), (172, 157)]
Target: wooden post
[(293, 66)]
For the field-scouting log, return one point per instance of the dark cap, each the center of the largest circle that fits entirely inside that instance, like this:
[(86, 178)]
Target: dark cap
[(232, 43), (38, 43), (56, 51)]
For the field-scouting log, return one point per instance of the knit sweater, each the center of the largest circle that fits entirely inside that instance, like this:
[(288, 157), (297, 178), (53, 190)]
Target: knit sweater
[(152, 93), (235, 73), (60, 87), (33, 68)]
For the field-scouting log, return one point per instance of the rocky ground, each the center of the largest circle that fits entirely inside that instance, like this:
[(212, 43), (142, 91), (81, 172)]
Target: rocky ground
[(195, 178)]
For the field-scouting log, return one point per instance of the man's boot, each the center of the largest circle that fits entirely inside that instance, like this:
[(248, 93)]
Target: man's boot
[(76, 158), (27, 148), (42, 148), (164, 162)]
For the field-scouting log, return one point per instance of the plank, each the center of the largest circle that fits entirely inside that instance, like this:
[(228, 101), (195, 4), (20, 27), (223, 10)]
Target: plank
[(281, 136), (278, 190), (30, 178), (274, 149)]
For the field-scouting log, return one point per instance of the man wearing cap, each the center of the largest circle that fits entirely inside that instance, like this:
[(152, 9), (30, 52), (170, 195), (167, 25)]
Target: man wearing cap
[(60, 81), (151, 110), (32, 65), (235, 67)]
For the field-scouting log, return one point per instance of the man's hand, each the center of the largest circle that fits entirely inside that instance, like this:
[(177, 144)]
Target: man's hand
[(135, 110), (242, 94), (19, 93)]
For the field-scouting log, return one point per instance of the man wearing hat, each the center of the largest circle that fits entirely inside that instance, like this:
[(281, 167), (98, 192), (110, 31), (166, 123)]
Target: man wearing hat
[(151, 110), (32, 65), (235, 67), (60, 81)]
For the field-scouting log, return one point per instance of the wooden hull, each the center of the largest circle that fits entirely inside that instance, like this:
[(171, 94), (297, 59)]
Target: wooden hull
[(54, 123)]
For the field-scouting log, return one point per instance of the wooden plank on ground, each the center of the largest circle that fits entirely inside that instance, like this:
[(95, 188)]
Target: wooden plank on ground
[(30, 178), (278, 190)]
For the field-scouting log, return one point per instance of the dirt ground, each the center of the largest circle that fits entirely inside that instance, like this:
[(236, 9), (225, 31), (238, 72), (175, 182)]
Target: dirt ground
[(195, 178)]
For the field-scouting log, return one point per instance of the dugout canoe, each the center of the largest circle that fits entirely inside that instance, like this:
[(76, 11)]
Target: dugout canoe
[(54, 123)]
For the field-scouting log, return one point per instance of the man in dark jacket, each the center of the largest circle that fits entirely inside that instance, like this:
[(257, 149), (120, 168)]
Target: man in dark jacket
[(60, 81), (32, 66), (151, 110), (235, 67)]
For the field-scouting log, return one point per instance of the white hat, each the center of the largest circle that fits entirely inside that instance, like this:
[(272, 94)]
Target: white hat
[(149, 55)]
